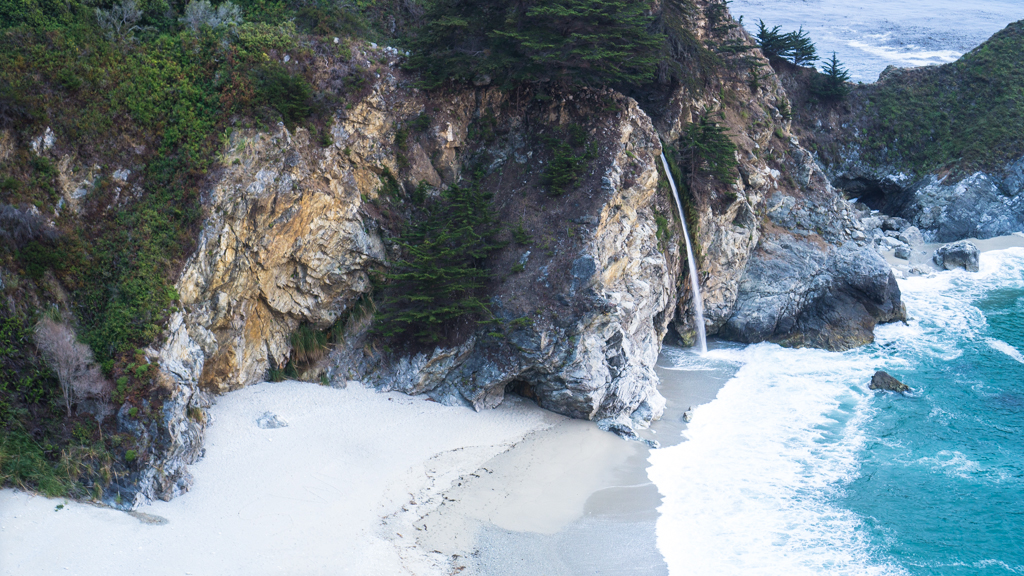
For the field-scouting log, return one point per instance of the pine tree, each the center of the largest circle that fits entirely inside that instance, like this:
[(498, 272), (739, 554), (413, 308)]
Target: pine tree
[(793, 46), (438, 280), (710, 151), (801, 49), (831, 85), (772, 42)]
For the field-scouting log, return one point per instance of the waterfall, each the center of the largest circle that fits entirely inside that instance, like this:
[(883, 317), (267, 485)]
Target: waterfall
[(698, 302)]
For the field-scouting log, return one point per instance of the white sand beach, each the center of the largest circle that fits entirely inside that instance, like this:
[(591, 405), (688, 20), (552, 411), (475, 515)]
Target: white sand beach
[(366, 483), (305, 499)]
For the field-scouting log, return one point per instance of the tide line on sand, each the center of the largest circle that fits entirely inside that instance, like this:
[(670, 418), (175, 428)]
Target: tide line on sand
[(321, 495)]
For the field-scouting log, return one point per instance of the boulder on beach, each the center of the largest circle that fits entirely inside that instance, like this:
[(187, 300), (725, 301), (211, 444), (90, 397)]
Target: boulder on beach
[(883, 381), (960, 254)]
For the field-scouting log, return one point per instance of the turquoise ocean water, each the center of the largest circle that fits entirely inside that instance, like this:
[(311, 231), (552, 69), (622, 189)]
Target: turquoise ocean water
[(798, 468)]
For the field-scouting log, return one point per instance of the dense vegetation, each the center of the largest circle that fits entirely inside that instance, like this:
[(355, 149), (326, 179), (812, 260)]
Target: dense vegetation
[(594, 43), (965, 115), (153, 88), (438, 281)]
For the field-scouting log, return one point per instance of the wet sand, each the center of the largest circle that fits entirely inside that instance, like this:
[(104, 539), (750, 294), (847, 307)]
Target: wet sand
[(572, 499), (921, 256)]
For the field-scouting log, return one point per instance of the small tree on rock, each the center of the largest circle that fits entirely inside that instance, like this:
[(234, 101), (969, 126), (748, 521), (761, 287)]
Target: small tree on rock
[(773, 43), (793, 46), (710, 151), (831, 85), (801, 50)]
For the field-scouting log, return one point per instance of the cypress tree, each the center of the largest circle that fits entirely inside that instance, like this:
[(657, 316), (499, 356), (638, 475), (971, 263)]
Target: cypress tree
[(440, 275), (801, 49), (579, 42), (710, 151), (793, 46), (772, 42), (831, 85)]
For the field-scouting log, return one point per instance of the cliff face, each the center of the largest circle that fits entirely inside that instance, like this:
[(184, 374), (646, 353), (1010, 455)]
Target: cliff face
[(776, 249), (939, 146), (585, 291), (294, 229)]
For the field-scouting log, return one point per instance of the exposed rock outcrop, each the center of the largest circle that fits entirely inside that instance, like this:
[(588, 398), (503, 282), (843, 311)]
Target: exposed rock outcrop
[(883, 381), (777, 248), (294, 231), (590, 311), (170, 435), (960, 254)]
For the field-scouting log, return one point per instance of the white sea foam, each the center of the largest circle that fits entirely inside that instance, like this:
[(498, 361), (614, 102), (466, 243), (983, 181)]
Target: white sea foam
[(1006, 349), (750, 492), (909, 55), (952, 463), (868, 35)]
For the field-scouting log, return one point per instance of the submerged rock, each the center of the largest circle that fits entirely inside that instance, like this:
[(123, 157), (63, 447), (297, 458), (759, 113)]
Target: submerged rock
[(960, 254), (883, 381)]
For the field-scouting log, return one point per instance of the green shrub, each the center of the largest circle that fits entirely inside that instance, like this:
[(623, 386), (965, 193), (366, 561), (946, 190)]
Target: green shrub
[(289, 94), (663, 233), (570, 156), (308, 344), (521, 236), (37, 258)]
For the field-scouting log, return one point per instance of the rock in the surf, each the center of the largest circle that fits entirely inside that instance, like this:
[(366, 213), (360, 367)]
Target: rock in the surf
[(883, 381)]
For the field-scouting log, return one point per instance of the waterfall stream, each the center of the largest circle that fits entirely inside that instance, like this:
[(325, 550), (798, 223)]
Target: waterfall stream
[(698, 302)]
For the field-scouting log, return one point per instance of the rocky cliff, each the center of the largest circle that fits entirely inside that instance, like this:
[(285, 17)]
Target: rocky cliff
[(298, 229), (938, 146)]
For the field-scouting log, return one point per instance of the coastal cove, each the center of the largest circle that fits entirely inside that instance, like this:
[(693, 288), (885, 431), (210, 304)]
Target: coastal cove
[(361, 482), (399, 287), (386, 483)]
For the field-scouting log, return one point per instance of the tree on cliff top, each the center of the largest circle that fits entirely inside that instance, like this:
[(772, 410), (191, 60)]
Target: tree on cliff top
[(578, 42), (831, 86), (793, 46)]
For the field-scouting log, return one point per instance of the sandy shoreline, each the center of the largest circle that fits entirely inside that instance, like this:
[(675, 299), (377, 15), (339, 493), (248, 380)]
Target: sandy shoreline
[(921, 256), (366, 483), (361, 482)]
